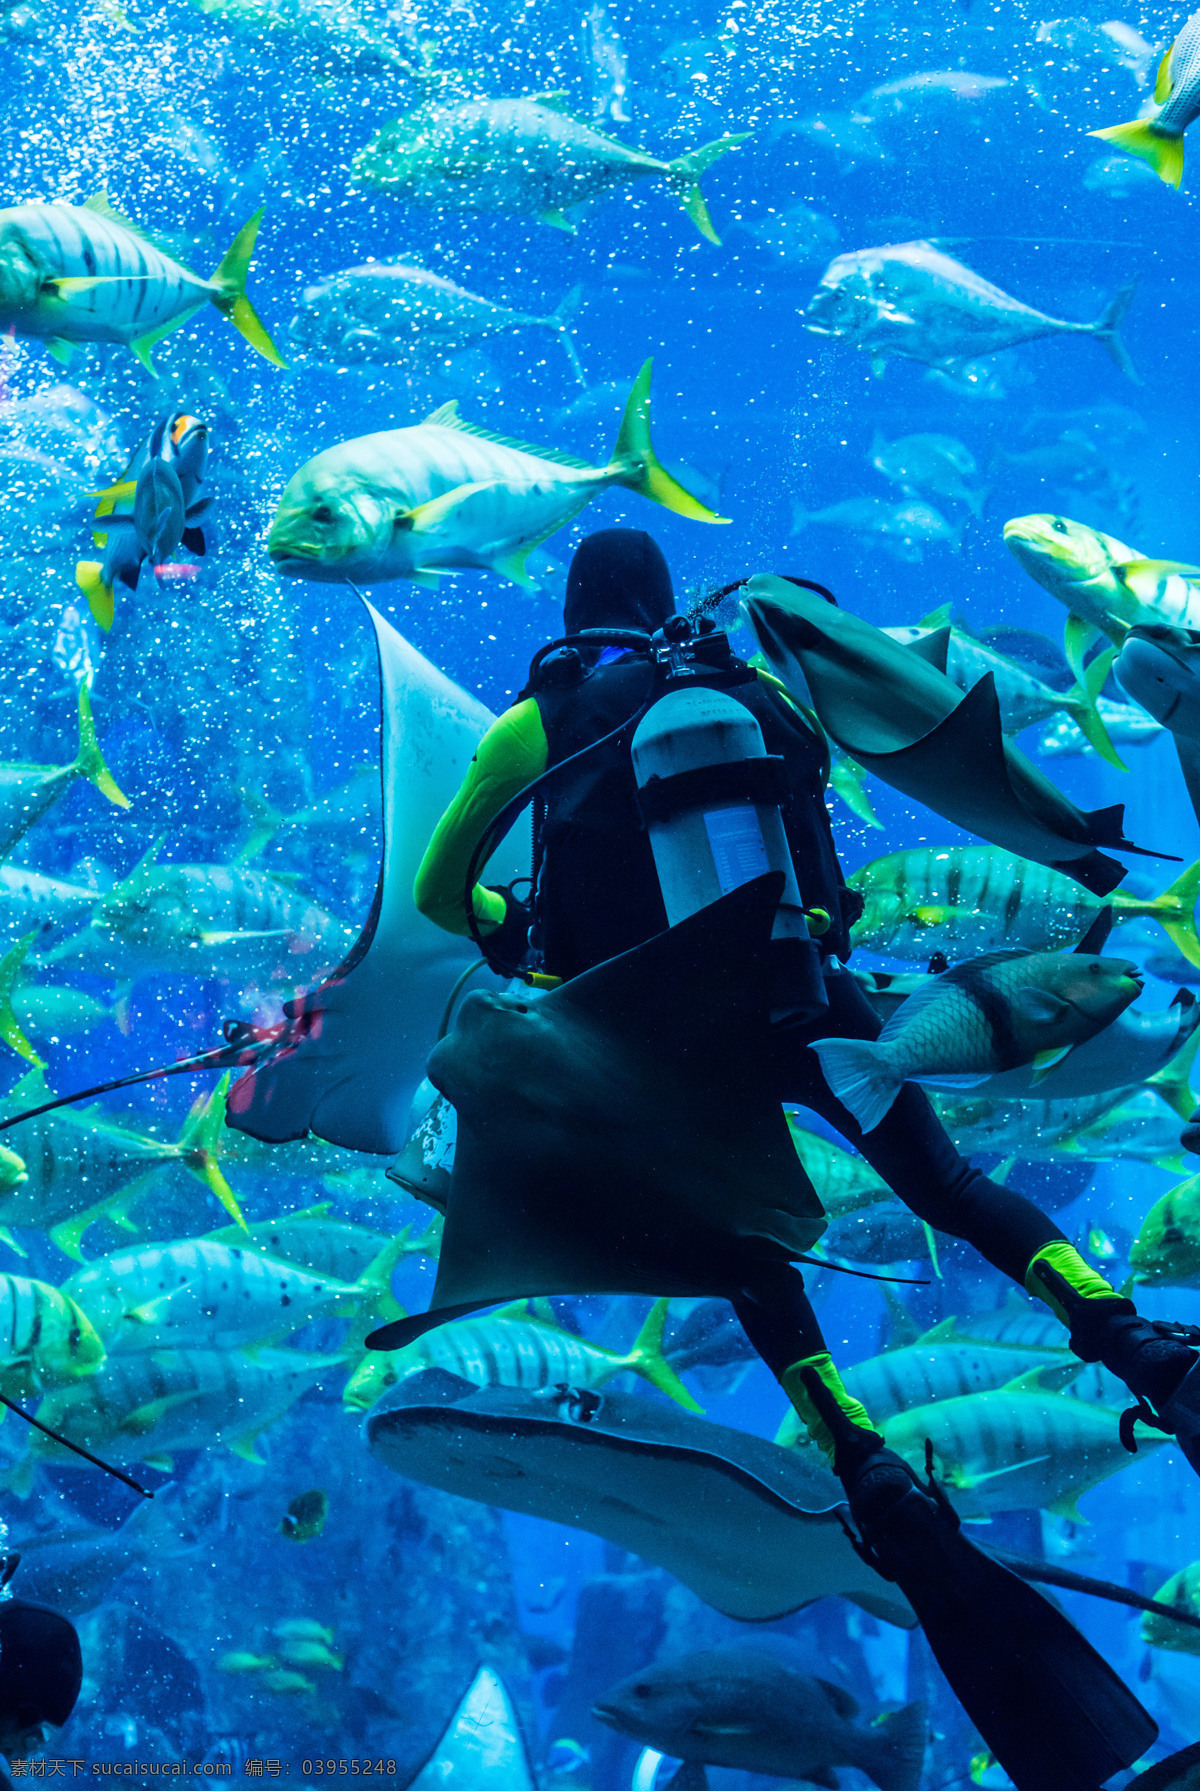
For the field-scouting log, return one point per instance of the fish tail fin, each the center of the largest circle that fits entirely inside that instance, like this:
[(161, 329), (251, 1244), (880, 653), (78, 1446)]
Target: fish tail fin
[(1081, 703), (860, 1076), (1164, 154), (375, 1282), (1106, 328), (265, 823), (898, 1752), (560, 320), (646, 1358), (11, 1030), (1175, 912), (800, 519), (90, 762), (683, 177), (200, 1142), (19, 1478), (636, 465), (89, 577), (230, 294), (1173, 1083), (977, 500)]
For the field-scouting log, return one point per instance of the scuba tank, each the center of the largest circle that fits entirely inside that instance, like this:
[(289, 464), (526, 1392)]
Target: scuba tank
[(710, 797)]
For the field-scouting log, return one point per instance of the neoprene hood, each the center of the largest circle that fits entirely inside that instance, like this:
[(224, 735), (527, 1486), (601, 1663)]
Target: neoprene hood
[(618, 579)]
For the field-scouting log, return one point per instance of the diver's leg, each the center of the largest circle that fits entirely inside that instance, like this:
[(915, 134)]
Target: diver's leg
[(1050, 1709), (911, 1150)]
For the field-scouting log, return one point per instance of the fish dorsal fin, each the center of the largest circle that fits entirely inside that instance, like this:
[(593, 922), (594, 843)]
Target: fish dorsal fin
[(1047, 1377), (843, 1701), (554, 101), (1162, 80), (446, 417), (103, 207), (945, 1331), (933, 647), (1130, 569)]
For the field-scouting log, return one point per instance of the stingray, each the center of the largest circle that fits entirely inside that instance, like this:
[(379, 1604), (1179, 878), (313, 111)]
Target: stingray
[(903, 719), (352, 1051), (618, 1135), (482, 1748), (750, 1528)]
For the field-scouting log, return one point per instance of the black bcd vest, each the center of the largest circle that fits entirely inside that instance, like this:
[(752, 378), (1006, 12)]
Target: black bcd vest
[(598, 890)]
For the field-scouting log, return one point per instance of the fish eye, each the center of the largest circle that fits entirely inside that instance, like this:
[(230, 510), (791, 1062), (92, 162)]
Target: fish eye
[(641, 1689), (322, 513), (1059, 526)]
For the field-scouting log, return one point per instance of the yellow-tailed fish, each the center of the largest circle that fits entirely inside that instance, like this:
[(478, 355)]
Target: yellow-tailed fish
[(1159, 140)]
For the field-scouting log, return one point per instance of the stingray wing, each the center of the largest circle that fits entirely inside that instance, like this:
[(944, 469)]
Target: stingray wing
[(353, 1049)]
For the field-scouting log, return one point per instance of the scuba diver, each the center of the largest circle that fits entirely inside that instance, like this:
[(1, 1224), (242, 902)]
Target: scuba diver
[(41, 1671), (596, 892)]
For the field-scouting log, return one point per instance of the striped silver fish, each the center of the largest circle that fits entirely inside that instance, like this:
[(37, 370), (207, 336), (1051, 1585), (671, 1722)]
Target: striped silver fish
[(205, 920), (46, 1341), (844, 1181), (515, 1348), (27, 791), (194, 1293), (966, 899), (143, 1407), (86, 273), (1019, 1448)]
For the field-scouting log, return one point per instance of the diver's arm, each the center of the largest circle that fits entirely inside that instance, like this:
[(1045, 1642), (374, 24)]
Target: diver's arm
[(511, 754)]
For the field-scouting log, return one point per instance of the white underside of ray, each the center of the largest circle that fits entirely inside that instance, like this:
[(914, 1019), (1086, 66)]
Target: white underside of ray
[(351, 1078), (482, 1749)]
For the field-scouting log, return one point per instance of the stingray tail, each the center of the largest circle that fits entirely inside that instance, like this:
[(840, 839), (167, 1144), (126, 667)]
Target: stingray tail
[(860, 1076), (898, 1746), (683, 177), (1175, 912), (1081, 703), (90, 762), (1139, 138), (200, 1142), (646, 1358), (635, 465), (1107, 327)]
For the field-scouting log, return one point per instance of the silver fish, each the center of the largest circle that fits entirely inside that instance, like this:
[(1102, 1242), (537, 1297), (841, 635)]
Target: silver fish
[(937, 464), (524, 157), (905, 530), (392, 311), (911, 299)]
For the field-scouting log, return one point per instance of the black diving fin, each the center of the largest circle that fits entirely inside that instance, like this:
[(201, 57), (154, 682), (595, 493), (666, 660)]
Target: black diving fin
[(1052, 1711)]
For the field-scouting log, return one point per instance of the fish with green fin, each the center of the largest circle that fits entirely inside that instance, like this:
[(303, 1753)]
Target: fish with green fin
[(194, 1294), (522, 157), (1166, 1250), (1024, 698), (339, 1248), (336, 33), (86, 273), (351, 811), (961, 900), (519, 1348), (844, 1181), (46, 1340), (1183, 1591), (145, 1406), (79, 1166), (1021, 1447), (27, 791), (1106, 587), (444, 496), (991, 1013), (1159, 139)]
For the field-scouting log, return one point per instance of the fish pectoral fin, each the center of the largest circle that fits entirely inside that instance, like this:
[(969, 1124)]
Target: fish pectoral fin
[(844, 1702), (1130, 570), (1040, 1004), (141, 1421), (245, 1447), (968, 1482), (162, 1464), (60, 350), (558, 220), (6, 1237), (64, 285), (1163, 80), (424, 518)]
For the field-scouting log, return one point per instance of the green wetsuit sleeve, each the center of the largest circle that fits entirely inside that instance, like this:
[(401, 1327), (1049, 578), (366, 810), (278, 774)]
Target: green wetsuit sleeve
[(511, 754)]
